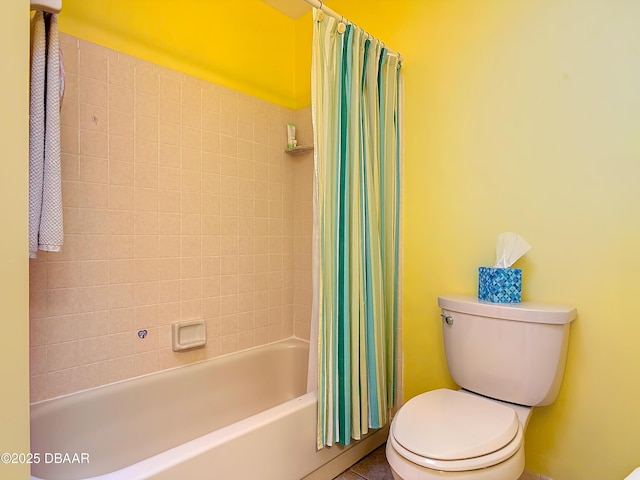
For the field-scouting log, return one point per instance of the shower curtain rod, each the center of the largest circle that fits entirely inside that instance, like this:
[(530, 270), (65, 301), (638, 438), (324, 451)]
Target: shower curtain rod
[(318, 4), (50, 6)]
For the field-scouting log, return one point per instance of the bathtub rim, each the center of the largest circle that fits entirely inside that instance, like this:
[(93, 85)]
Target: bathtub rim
[(293, 340)]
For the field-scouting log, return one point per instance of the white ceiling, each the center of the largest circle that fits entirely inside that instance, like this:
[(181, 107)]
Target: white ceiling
[(291, 8)]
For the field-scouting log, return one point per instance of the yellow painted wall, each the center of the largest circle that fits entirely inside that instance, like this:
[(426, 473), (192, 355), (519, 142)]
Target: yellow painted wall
[(525, 116), (303, 41), (246, 45), (520, 116), (14, 340)]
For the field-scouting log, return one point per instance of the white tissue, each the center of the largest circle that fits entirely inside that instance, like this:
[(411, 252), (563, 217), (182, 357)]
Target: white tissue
[(510, 247)]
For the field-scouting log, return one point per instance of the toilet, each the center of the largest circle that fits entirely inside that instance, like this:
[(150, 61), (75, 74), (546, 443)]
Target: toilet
[(635, 475), (507, 359)]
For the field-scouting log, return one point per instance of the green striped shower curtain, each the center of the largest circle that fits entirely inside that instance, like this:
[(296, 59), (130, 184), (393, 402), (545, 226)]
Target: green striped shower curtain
[(355, 90)]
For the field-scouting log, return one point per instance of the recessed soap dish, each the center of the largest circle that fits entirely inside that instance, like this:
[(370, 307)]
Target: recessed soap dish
[(189, 334)]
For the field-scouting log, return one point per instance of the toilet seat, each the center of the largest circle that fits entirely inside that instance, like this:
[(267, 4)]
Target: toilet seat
[(451, 430)]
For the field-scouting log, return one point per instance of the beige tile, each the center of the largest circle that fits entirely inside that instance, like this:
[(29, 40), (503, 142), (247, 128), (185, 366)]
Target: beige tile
[(191, 289), (121, 197), (191, 203), (62, 356), (120, 246), (149, 343), (146, 151), (191, 138), (145, 199), (169, 134), (93, 375), (69, 46), (93, 92), (121, 123), (121, 71), (168, 178), (169, 111), (121, 368), (169, 290), (146, 246), (168, 313), (191, 159), (145, 175), (168, 269), (167, 358), (169, 223), (121, 148), (62, 382), (145, 293), (147, 80), (211, 100), (229, 186), (145, 223), (169, 88), (210, 141), (146, 105), (120, 222), (276, 332), (121, 99), (121, 271), (191, 117), (229, 103), (120, 296), (191, 181), (93, 143), (191, 95), (190, 309), (70, 166), (169, 201), (191, 267), (146, 362), (147, 129), (121, 344), (211, 121), (37, 361), (210, 287), (92, 195), (228, 146), (69, 139), (92, 64), (229, 208), (210, 162), (229, 126), (92, 350)]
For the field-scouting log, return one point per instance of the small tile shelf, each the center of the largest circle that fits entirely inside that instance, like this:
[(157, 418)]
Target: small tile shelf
[(298, 150)]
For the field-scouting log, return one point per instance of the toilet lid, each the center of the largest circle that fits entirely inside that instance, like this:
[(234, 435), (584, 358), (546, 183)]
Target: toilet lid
[(453, 425)]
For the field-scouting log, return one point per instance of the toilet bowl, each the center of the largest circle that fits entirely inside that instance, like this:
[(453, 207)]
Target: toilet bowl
[(507, 359), (635, 475), (459, 435)]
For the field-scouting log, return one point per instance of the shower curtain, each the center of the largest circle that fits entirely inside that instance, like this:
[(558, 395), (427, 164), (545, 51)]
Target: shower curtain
[(355, 108)]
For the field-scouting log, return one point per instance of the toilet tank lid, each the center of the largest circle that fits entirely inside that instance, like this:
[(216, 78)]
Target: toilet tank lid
[(524, 311)]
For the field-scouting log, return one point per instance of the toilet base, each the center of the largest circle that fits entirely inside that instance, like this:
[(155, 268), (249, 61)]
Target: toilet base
[(403, 469)]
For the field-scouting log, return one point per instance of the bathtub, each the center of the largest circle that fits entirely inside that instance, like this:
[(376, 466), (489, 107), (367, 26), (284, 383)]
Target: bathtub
[(240, 416)]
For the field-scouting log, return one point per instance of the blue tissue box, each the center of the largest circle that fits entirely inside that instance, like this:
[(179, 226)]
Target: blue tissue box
[(500, 285)]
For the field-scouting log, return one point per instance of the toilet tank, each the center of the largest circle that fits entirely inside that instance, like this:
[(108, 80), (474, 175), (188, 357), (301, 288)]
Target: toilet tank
[(513, 352)]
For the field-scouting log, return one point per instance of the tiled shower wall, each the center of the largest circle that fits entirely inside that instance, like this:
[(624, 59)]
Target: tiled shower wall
[(179, 203)]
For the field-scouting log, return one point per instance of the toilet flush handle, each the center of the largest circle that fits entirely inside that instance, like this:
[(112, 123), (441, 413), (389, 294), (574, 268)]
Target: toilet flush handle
[(448, 319)]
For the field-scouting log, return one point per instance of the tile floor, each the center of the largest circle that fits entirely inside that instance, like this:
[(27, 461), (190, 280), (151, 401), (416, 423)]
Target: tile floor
[(372, 467)]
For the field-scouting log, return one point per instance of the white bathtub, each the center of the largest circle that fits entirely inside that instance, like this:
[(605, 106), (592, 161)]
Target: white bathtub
[(240, 416)]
